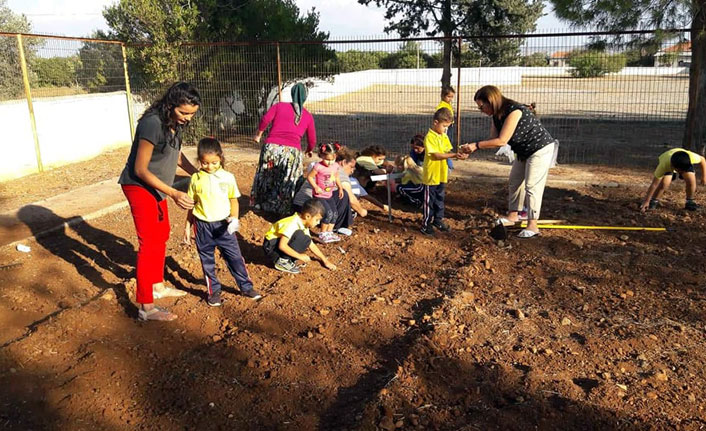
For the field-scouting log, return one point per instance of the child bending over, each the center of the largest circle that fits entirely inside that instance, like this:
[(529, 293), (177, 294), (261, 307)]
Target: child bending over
[(214, 220), (289, 238), (675, 163)]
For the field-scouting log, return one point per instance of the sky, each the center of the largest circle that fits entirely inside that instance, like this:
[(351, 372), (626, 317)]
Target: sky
[(341, 18)]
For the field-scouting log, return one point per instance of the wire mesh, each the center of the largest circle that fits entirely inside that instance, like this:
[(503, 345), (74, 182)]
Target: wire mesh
[(78, 99), (614, 99)]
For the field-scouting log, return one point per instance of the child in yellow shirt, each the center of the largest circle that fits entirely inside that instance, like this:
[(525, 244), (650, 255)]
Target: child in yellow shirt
[(214, 220), (437, 149)]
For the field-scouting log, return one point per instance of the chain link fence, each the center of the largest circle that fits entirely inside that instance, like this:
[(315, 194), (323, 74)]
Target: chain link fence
[(615, 99), (61, 100)]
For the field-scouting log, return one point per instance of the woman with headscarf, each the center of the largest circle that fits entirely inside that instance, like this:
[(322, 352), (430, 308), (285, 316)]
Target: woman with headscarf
[(280, 164)]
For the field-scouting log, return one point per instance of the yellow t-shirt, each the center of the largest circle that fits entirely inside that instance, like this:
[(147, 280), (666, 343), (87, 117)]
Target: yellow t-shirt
[(366, 162), (446, 105), (665, 164), (286, 227), (435, 172), (212, 194)]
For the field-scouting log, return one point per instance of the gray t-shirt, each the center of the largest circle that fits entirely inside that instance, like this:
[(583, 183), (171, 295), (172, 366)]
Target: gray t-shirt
[(165, 155)]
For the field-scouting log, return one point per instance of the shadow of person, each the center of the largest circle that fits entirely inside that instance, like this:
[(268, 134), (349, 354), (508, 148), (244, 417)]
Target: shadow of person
[(100, 250)]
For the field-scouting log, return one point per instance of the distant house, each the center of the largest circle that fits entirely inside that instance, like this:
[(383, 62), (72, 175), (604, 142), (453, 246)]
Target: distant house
[(559, 58), (677, 55)]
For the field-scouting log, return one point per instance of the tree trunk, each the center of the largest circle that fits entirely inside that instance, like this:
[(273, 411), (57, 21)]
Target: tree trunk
[(696, 114), (446, 75), (446, 27)]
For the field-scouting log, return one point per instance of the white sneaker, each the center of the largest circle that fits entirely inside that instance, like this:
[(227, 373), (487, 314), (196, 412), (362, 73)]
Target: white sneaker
[(345, 231)]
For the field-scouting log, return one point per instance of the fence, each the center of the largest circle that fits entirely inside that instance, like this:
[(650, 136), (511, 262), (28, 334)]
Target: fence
[(613, 99), (61, 100)]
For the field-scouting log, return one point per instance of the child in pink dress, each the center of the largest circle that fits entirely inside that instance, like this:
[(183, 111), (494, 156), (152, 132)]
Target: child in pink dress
[(326, 186)]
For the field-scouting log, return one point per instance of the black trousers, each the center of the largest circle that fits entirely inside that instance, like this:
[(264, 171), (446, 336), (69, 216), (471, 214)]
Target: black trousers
[(299, 242)]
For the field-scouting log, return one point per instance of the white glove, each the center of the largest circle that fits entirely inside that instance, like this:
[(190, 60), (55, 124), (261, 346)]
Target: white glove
[(233, 225)]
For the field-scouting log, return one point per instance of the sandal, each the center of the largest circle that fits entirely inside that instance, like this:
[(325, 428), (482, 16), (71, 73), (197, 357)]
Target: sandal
[(526, 233), (167, 292), (155, 313)]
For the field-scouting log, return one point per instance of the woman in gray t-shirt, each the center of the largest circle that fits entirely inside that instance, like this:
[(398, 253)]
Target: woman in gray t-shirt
[(147, 180)]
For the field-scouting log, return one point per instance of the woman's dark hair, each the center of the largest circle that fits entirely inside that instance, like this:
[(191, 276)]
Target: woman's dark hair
[(210, 146), (373, 150), (181, 93), (313, 207)]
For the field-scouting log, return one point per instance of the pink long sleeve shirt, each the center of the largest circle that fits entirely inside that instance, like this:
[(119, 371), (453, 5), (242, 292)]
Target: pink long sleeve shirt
[(284, 131)]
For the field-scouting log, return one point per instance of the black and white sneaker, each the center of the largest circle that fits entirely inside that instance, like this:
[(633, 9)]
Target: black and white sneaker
[(252, 294), (442, 226), (214, 300), (691, 205), (286, 265), (427, 230)]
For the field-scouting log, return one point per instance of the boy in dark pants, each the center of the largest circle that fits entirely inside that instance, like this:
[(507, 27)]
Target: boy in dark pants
[(289, 238), (437, 149), (215, 221)]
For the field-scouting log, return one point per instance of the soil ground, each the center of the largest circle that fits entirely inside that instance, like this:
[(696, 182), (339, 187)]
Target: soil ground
[(575, 329)]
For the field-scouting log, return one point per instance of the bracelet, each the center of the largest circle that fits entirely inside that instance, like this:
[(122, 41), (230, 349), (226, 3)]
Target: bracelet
[(477, 145)]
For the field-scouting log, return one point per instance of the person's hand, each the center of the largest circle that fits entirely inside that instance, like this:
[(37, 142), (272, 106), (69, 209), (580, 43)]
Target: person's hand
[(328, 264), (461, 156), (187, 234), (385, 208), (319, 190), (340, 193), (305, 258), (363, 212), (644, 206), (257, 138), (182, 200), (233, 225)]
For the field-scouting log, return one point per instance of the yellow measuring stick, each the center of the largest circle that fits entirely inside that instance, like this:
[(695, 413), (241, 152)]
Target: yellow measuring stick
[(566, 226)]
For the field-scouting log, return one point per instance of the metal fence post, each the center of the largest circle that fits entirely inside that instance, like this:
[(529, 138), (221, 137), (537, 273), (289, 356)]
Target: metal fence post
[(28, 94), (279, 75), (128, 94), (458, 97)]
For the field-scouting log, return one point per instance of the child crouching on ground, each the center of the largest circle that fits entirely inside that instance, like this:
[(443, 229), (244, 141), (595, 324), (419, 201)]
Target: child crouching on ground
[(289, 238), (215, 221)]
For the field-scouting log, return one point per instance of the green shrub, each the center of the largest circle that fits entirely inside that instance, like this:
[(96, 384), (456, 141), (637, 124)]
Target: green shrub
[(593, 64)]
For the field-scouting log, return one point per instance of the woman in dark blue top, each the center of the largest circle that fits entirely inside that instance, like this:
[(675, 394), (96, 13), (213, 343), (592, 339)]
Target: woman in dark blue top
[(515, 124)]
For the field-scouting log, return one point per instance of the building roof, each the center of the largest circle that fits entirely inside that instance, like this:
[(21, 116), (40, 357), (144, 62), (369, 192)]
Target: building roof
[(560, 54), (678, 47)]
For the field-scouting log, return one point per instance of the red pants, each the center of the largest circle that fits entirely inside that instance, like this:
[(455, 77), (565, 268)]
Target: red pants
[(152, 226)]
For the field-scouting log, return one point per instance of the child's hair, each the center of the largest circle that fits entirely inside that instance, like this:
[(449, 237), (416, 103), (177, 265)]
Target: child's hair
[(446, 90), (417, 141), (345, 155), (181, 93), (373, 150), (681, 161), (210, 145), (313, 207), (329, 148), (443, 115)]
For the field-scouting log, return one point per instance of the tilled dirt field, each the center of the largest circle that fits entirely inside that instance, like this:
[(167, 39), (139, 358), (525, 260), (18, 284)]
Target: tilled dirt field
[(575, 329)]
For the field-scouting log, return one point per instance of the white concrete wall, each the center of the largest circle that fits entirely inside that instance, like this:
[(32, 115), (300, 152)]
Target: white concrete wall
[(69, 128)]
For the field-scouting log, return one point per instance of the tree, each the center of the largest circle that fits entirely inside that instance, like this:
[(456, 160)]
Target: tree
[(56, 71), (659, 14), (450, 18), (161, 27), (10, 72), (408, 57), (537, 59), (594, 63), (101, 66), (353, 60)]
